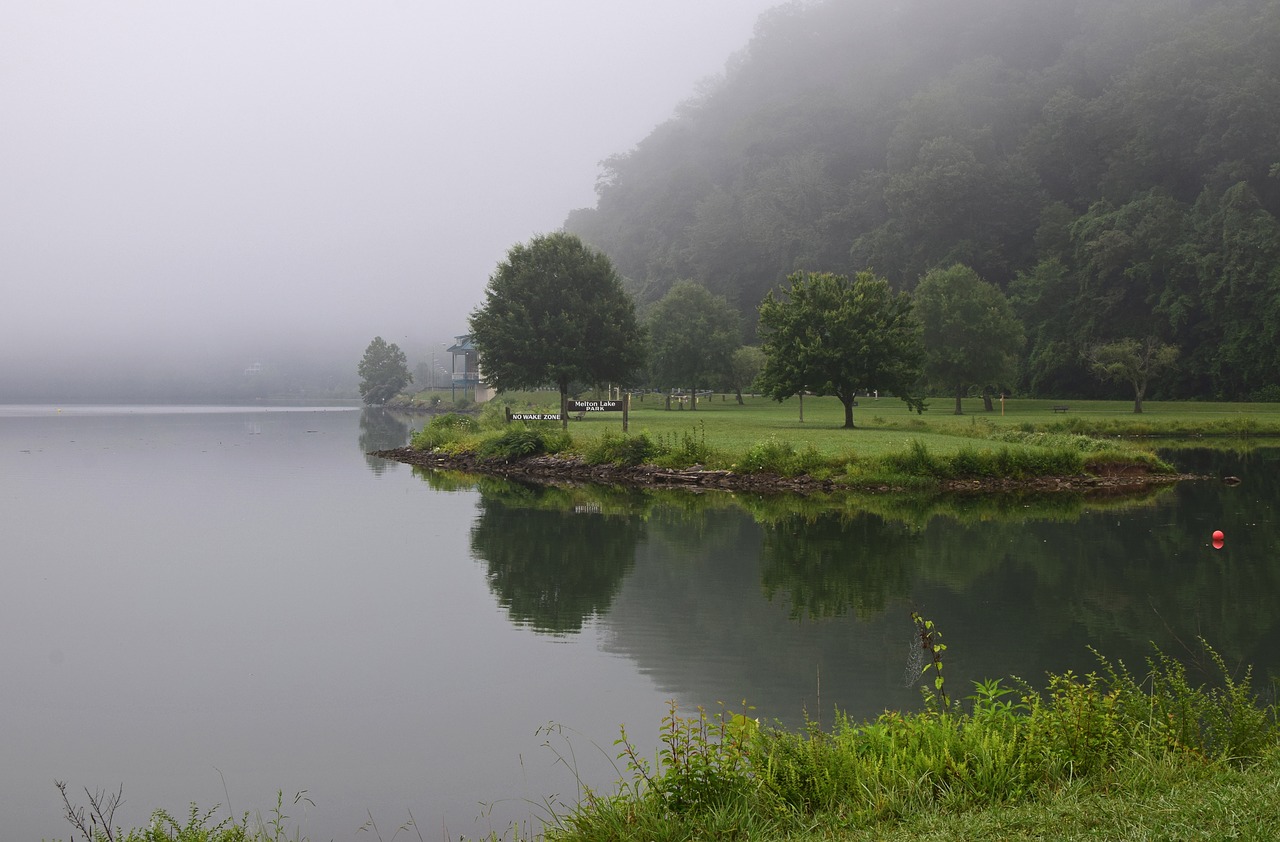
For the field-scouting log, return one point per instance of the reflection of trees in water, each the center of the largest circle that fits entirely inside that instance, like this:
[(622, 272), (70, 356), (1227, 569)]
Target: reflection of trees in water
[(835, 563), (1025, 596), (553, 568), (1019, 585), (380, 430)]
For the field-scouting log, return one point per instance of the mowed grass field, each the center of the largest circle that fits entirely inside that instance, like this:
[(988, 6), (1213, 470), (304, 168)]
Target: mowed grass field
[(886, 425)]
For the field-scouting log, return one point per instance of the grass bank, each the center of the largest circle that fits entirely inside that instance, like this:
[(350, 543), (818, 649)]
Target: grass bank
[(891, 446), (1104, 755)]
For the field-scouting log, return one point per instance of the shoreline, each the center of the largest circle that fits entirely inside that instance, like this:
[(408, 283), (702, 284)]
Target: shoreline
[(558, 470)]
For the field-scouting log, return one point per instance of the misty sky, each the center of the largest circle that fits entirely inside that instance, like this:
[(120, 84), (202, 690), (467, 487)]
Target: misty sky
[(181, 177)]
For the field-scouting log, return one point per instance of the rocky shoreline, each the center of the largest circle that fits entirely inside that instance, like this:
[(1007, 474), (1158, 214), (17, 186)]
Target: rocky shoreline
[(573, 470)]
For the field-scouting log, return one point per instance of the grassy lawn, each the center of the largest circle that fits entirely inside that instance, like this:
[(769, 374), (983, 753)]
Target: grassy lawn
[(886, 425), (1023, 439)]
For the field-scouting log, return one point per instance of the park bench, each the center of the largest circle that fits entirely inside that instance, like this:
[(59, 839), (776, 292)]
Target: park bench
[(1061, 408)]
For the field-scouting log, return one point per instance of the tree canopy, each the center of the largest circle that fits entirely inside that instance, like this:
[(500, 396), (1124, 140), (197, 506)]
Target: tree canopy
[(1110, 165), (828, 335), (971, 335), (744, 367), (1132, 361), (692, 335), (383, 370), (555, 313)]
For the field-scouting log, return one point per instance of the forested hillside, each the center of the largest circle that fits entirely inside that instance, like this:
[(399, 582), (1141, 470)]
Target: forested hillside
[(1112, 165)]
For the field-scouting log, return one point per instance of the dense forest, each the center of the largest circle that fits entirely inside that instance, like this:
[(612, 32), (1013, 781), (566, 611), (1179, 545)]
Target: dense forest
[(1112, 165)]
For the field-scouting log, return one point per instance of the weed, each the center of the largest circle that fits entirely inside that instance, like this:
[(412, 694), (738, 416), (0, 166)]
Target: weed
[(444, 429), (932, 646), (703, 762), (614, 449), (686, 449), (97, 822)]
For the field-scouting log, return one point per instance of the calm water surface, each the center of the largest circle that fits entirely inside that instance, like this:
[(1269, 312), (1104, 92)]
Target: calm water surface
[(215, 604)]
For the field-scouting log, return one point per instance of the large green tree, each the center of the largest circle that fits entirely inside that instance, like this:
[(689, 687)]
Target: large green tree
[(384, 371), (692, 336), (555, 312), (744, 367), (829, 335), (1132, 361), (971, 335)]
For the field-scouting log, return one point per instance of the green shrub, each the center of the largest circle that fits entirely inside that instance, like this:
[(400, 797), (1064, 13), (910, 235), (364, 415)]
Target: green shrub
[(773, 456), (687, 449), (628, 451), (769, 456), (704, 761), (917, 461), (1269, 393), (522, 442), (444, 429)]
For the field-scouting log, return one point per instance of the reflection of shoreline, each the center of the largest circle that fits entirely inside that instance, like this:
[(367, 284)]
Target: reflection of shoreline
[(801, 603), (555, 470)]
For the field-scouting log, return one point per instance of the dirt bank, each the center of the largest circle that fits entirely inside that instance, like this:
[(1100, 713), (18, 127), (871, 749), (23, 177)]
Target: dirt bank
[(559, 470)]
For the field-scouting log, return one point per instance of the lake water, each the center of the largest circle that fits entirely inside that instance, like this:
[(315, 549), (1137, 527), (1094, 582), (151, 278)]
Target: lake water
[(215, 604)]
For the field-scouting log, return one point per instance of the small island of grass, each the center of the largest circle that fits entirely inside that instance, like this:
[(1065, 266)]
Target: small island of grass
[(763, 445)]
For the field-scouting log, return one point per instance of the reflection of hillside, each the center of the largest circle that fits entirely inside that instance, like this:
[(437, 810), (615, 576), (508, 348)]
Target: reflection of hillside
[(766, 613), (833, 565), (778, 600), (694, 618)]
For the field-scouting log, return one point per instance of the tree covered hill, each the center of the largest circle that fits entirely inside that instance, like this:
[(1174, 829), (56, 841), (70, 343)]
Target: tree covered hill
[(1112, 165)]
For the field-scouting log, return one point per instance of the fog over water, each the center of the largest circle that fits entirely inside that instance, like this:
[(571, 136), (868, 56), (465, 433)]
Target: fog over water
[(210, 185)]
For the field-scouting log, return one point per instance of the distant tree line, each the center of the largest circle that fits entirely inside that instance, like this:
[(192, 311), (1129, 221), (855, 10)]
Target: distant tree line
[(1110, 167)]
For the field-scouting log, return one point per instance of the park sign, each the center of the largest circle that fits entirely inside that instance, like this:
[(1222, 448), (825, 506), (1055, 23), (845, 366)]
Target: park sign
[(595, 406), (577, 409)]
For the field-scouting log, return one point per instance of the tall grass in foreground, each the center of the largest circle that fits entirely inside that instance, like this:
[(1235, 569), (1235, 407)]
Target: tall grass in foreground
[(95, 822), (723, 775)]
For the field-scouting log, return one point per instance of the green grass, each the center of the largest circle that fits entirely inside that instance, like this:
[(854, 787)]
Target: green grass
[(1103, 755), (889, 446)]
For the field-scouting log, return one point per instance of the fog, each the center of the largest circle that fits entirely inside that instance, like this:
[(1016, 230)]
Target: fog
[(195, 187)]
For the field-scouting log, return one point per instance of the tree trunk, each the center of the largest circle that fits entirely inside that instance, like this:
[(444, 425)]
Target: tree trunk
[(1138, 392), (739, 395), (959, 395), (848, 412), (986, 402)]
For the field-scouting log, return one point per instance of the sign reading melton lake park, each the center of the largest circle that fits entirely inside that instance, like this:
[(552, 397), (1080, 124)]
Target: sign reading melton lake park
[(595, 406), (578, 409)]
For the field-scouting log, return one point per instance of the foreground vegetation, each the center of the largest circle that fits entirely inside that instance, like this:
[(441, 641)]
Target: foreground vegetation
[(1108, 755), (891, 445), (1104, 754)]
